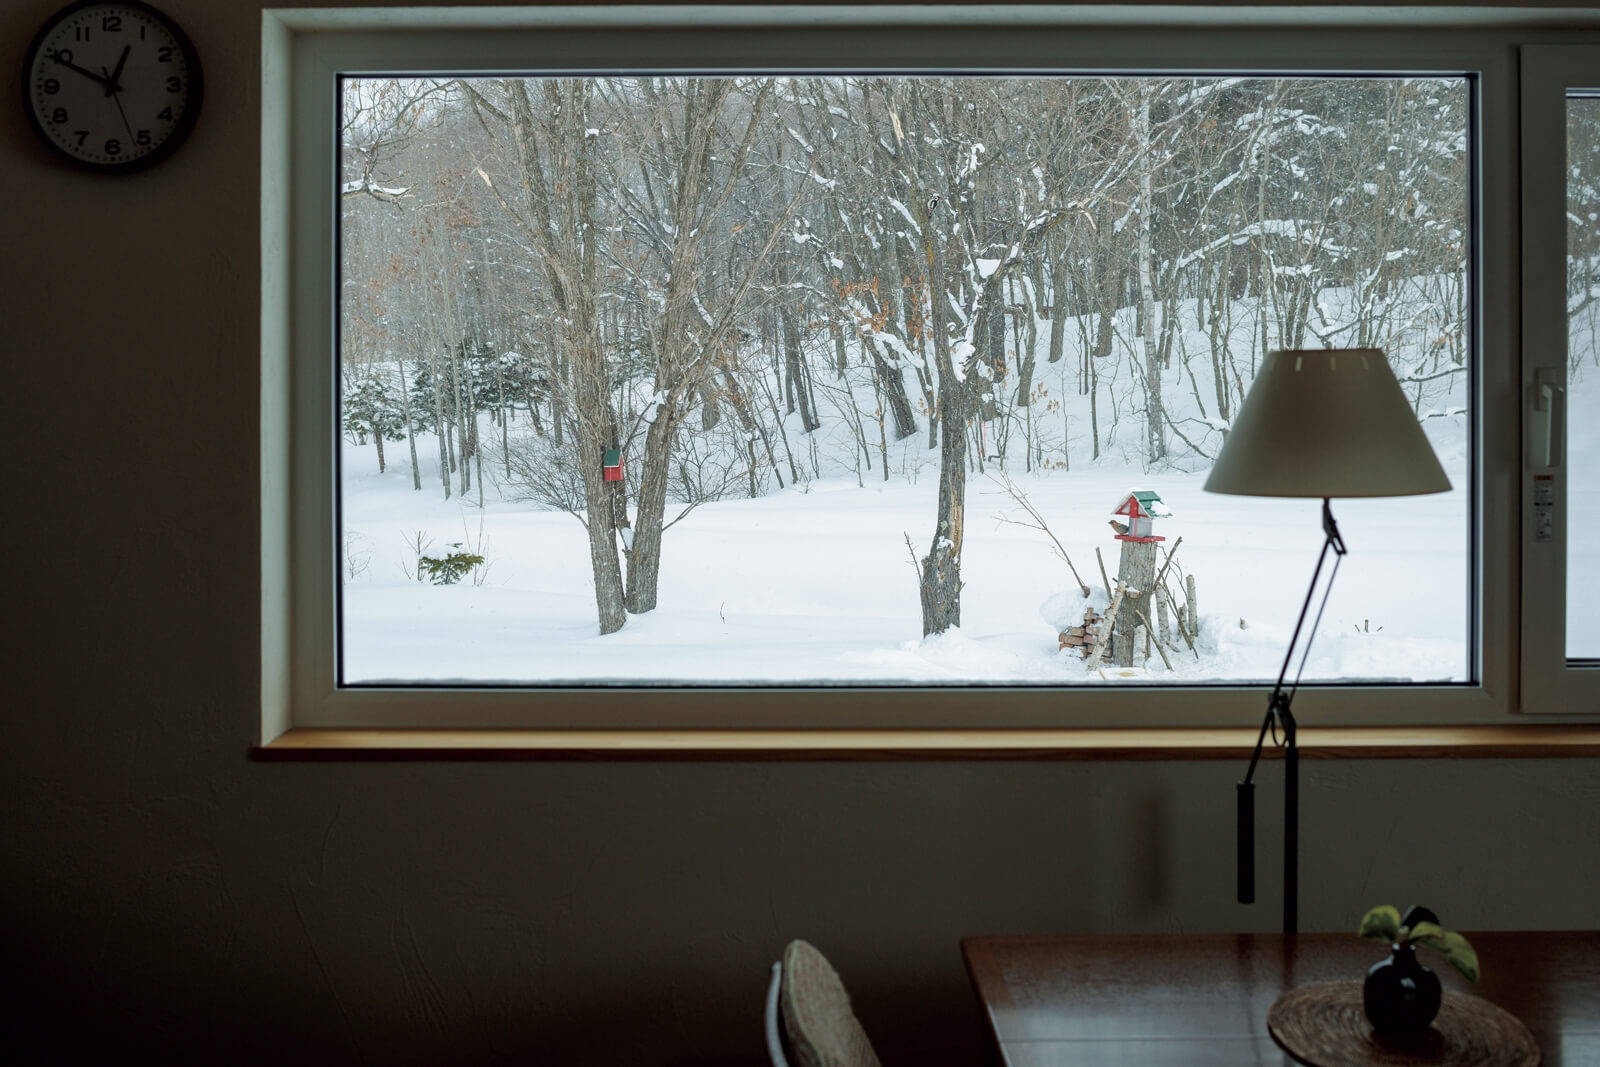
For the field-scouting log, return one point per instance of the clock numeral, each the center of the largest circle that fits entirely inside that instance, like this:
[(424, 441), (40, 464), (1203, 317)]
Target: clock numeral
[(164, 55), (111, 24), (142, 137), (81, 135), (59, 116), (141, 33), (63, 55), (166, 113), (113, 147), (51, 86), (174, 85), (80, 33)]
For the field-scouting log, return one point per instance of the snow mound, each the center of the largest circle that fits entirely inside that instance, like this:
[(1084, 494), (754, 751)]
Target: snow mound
[(1063, 609)]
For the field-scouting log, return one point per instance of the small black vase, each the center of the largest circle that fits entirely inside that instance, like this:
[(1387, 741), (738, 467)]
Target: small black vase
[(1401, 996)]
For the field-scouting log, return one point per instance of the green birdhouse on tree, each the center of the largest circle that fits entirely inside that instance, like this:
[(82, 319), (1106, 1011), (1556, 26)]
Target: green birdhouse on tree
[(612, 464)]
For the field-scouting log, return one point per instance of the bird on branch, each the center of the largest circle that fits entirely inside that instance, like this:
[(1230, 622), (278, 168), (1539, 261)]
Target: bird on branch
[(933, 202)]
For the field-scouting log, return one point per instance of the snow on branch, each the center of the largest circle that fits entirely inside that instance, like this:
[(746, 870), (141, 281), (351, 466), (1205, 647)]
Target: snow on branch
[(364, 186), (898, 206)]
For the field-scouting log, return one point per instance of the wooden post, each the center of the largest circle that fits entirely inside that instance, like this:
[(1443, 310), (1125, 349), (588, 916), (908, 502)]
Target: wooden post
[(1102, 648), (1136, 572), (1194, 610), (1103, 577), (1165, 633)]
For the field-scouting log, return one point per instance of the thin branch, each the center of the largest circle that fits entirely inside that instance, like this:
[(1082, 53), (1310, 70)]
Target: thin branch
[(1171, 554), (1038, 523), (915, 564), (1155, 638)]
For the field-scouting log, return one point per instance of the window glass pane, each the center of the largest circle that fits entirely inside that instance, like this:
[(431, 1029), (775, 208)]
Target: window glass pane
[(826, 380), (1583, 377)]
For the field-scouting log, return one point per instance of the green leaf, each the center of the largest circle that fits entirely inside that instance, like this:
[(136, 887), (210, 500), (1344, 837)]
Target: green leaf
[(1455, 949), (1382, 922)]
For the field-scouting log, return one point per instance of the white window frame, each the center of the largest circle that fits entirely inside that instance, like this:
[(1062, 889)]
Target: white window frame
[(1549, 71), (302, 51)]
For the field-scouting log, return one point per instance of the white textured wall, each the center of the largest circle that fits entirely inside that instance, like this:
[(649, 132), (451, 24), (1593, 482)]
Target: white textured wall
[(158, 890)]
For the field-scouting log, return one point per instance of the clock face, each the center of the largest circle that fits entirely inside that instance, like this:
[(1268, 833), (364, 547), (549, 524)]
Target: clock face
[(113, 85)]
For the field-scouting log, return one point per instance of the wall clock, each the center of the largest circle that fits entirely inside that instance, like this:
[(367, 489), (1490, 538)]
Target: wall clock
[(112, 84)]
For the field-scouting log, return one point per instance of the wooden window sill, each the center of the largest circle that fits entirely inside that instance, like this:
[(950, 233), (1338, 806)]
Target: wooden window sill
[(1421, 742)]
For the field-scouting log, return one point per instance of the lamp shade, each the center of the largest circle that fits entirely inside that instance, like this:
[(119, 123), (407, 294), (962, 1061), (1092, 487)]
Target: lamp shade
[(1326, 423)]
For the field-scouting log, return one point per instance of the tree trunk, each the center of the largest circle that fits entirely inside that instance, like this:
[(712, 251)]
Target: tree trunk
[(505, 410), (1026, 337), (477, 449), (589, 376), (440, 426), (562, 229), (1058, 308), (940, 585), (464, 443), (888, 378), (989, 394), (794, 371), (1155, 432), (1137, 571), (883, 437), (558, 394), (644, 558), (1092, 385), (411, 428), (710, 409)]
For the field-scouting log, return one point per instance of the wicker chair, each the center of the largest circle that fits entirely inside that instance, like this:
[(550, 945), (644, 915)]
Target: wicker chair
[(808, 1019)]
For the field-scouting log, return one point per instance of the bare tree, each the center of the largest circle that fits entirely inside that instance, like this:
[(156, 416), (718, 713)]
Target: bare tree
[(549, 155)]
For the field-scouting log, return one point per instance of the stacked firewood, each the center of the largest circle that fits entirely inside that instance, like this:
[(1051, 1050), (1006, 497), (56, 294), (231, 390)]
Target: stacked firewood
[(1083, 638)]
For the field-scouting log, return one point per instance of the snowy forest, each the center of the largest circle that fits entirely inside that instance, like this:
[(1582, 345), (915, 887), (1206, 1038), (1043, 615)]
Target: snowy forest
[(746, 364)]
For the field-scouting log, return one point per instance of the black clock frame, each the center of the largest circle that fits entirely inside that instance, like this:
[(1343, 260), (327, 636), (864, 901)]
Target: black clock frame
[(185, 124)]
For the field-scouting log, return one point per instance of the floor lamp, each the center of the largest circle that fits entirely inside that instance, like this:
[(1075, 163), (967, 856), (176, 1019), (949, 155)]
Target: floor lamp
[(1318, 423)]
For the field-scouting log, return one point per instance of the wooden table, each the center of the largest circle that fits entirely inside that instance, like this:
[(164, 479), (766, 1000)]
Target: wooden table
[(1189, 1000)]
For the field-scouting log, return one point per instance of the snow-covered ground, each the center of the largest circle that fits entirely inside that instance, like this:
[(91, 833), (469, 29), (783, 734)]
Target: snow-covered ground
[(816, 585)]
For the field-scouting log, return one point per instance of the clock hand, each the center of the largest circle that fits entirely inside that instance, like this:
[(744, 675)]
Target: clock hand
[(73, 66), (116, 98), (114, 84), (114, 91)]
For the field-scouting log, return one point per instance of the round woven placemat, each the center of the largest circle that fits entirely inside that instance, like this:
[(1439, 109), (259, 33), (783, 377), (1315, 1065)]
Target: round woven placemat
[(1326, 1026)]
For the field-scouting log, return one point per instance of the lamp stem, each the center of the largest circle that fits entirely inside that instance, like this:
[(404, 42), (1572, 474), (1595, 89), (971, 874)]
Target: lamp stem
[(1291, 821), (1278, 713)]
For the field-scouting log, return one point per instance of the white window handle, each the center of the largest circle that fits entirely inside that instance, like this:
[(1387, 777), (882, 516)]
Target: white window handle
[(1549, 415)]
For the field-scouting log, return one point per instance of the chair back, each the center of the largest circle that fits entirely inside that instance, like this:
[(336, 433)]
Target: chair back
[(774, 1027), (821, 1028)]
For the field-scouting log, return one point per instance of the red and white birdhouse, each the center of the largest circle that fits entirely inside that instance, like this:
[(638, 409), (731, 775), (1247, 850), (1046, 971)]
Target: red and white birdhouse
[(1139, 509), (611, 465)]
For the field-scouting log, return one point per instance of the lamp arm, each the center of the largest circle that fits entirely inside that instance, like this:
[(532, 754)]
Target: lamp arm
[(1278, 702)]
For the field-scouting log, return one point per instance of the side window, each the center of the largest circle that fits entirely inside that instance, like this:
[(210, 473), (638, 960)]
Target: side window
[(1583, 376), (1561, 374)]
